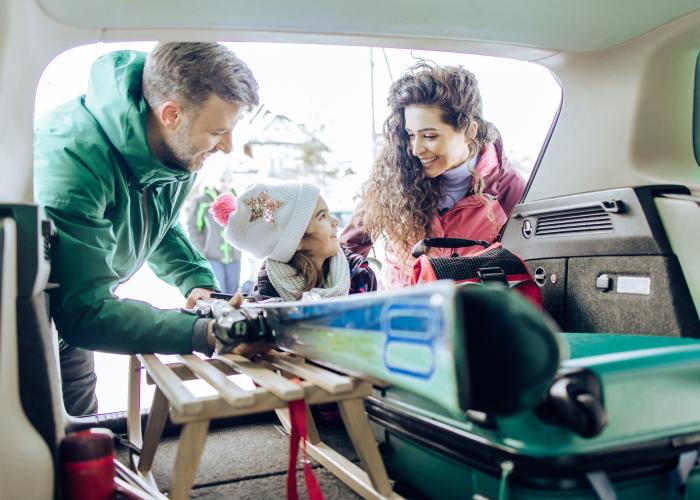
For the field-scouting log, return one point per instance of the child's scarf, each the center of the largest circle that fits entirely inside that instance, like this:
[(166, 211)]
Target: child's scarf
[(289, 284)]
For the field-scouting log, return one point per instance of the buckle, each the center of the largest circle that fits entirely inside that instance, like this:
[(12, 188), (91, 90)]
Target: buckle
[(492, 275)]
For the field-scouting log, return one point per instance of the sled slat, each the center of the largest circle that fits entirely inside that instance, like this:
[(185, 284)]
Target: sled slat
[(281, 387)]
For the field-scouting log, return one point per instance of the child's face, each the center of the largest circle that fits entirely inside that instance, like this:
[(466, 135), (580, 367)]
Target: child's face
[(321, 238)]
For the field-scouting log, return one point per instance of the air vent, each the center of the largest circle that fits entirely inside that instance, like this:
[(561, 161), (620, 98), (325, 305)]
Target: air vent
[(572, 221)]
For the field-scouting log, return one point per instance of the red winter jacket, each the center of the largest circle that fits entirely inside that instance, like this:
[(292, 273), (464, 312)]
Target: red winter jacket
[(468, 218)]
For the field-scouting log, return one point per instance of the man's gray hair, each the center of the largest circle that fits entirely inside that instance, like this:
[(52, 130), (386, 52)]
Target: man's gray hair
[(193, 71)]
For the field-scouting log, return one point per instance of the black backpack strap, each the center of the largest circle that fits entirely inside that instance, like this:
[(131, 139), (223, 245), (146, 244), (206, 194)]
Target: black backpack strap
[(419, 248)]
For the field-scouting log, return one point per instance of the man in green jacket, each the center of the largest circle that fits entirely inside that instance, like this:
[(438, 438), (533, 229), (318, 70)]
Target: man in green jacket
[(112, 169)]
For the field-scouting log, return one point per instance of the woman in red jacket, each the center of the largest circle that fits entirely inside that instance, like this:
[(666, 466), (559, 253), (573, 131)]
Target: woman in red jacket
[(441, 172)]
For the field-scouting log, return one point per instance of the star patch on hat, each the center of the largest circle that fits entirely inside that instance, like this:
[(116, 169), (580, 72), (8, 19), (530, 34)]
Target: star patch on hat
[(262, 206)]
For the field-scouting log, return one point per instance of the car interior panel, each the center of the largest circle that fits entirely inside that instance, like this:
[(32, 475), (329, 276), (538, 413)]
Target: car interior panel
[(608, 227), (604, 262)]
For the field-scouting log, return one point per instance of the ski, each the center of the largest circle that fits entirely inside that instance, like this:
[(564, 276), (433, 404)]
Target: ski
[(407, 338), (461, 347)]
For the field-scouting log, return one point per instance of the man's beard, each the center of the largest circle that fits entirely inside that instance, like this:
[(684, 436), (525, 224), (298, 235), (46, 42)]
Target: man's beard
[(179, 152)]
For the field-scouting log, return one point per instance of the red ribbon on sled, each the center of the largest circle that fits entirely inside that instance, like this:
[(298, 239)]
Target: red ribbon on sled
[(297, 417)]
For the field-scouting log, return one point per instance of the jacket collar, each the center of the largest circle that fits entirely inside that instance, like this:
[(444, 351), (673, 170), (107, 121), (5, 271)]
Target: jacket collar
[(488, 163), (490, 167)]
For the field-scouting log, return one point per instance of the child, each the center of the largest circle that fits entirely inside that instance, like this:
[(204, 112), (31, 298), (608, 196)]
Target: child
[(290, 226)]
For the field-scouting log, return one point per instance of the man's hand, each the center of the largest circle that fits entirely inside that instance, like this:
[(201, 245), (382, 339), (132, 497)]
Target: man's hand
[(197, 294), (251, 350)]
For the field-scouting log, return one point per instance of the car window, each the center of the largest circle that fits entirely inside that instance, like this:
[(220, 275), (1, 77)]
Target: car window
[(320, 120)]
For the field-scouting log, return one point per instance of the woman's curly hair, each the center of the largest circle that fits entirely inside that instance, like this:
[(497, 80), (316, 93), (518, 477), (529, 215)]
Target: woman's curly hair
[(399, 200)]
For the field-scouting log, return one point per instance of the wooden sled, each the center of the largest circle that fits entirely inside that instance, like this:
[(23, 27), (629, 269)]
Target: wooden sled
[(271, 374)]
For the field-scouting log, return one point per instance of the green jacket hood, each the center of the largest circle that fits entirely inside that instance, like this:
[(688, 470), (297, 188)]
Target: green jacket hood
[(115, 99)]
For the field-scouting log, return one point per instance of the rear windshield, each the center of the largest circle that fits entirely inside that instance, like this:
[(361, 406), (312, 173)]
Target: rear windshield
[(320, 119)]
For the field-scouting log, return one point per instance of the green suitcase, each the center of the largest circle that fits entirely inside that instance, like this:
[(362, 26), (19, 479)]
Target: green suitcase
[(641, 393)]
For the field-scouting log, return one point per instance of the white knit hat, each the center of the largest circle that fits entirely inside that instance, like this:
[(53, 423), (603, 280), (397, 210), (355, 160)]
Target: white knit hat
[(268, 219)]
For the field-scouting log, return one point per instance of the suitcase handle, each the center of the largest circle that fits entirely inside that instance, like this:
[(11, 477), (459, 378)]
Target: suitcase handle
[(420, 247), (575, 402)]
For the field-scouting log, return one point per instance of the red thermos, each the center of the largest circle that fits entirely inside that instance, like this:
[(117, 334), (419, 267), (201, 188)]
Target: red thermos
[(87, 462)]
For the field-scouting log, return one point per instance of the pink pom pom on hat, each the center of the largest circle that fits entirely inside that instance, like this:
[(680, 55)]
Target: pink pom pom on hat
[(223, 207)]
